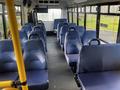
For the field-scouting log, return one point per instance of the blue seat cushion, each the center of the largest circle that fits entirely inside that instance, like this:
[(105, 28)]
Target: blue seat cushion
[(8, 76), (38, 80), (35, 61), (100, 80)]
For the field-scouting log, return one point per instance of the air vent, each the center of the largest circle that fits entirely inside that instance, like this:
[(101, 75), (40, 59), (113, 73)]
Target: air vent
[(49, 1)]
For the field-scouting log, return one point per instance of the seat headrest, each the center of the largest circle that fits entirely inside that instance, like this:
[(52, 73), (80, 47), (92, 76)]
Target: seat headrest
[(72, 28), (72, 34)]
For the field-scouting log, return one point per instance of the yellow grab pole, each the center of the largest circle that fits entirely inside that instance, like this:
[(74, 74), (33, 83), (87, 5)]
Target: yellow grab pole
[(16, 41), (5, 84), (10, 89)]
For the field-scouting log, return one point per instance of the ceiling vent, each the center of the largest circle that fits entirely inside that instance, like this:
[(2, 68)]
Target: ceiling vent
[(49, 2)]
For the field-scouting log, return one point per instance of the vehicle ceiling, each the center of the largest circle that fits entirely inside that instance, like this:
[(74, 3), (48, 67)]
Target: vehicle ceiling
[(64, 3)]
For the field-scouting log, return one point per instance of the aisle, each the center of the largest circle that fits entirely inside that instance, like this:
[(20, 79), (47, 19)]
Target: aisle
[(61, 78)]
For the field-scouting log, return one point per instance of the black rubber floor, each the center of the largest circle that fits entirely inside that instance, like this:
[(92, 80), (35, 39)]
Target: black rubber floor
[(60, 76)]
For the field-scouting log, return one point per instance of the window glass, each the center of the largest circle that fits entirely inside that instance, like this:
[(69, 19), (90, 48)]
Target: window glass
[(17, 8), (18, 21), (75, 9), (94, 9), (1, 28), (75, 17), (70, 17), (109, 28), (115, 9), (91, 22), (88, 9), (81, 19), (0, 8), (50, 16), (82, 9), (104, 9), (79, 9)]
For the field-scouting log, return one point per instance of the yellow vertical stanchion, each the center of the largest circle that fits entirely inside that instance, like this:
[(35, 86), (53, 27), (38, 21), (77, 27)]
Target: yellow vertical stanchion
[(16, 42)]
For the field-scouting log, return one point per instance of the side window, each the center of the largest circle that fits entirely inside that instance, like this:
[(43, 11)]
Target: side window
[(91, 21), (109, 23), (109, 28), (81, 16), (1, 24), (18, 16), (75, 15)]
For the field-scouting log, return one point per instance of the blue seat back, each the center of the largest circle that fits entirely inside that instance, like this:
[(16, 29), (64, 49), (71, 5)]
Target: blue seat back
[(72, 25), (40, 28), (27, 28), (40, 33), (7, 57), (57, 21), (60, 25), (88, 35), (99, 58), (23, 36), (72, 42), (41, 25), (35, 57), (34, 44), (63, 32), (81, 30)]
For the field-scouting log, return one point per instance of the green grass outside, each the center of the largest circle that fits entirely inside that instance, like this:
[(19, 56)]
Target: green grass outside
[(111, 22), (91, 22), (81, 20)]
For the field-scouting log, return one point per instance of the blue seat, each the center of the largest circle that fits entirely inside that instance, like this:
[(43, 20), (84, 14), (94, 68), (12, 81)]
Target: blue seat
[(63, 32), (38, 35), (72, 25), (88, 35), (40, 30), (8, 67), (23, 36), (72, 47), (40, 27), (27, 28), (60, 25), (81, 30), (99, 67), (57, 21), (36, 65)]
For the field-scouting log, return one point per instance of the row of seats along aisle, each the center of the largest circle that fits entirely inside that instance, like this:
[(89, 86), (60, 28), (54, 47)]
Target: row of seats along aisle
[(33, 41), (96, 65)]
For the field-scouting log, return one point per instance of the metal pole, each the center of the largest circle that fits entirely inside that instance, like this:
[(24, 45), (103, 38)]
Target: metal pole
[(16, 41)]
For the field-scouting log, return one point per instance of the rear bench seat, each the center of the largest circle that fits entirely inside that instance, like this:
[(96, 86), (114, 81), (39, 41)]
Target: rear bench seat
[(8, 67), (57, 21), (36, 65), (72, 47), (99, 67)]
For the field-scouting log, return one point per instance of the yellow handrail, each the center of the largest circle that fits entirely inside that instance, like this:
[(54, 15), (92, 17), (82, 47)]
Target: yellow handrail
[(16, 41), (5, 84)]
